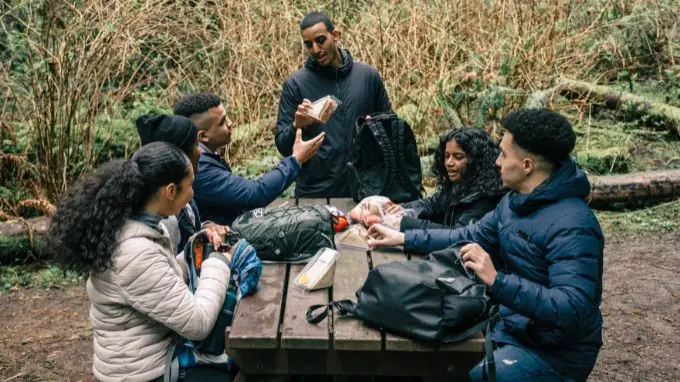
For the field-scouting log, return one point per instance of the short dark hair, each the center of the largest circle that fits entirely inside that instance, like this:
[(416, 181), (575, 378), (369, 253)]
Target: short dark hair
[(542, 132), (196, 103), (313, 18)]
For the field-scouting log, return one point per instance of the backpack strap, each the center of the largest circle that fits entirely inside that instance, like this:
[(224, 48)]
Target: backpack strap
[(489, 370), (399, 136), (388, 153), (344, 308), (171, 361)]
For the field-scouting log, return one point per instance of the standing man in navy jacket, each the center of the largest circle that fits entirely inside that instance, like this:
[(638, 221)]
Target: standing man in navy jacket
[(328, 70), (540, 252), (220, 195)]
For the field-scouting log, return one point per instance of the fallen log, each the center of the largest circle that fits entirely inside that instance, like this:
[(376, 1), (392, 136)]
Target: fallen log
[(21, 240), (659, 114), (634, 187)]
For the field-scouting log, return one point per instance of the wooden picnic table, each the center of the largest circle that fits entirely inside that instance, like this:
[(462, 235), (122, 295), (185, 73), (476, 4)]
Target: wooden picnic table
[(270, 335)]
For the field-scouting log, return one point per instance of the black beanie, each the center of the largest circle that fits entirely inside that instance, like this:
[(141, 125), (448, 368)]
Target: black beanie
[(177, 130)]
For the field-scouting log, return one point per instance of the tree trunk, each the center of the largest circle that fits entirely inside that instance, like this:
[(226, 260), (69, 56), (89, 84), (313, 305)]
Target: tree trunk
[(635, 187)]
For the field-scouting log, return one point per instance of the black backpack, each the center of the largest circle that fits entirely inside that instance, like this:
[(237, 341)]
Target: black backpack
[(435, 300), (384, 160), (287, 234)]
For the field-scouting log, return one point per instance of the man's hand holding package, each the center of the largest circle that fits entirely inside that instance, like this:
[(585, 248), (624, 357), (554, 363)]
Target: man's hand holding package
[(302, 120)]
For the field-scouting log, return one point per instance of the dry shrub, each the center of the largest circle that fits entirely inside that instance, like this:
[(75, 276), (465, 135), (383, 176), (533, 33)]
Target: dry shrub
[(85, 60)]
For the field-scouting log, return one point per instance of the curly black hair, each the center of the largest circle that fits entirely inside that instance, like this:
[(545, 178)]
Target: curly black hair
[(542, 132), (84, 228), (196, 103), (481, 175)]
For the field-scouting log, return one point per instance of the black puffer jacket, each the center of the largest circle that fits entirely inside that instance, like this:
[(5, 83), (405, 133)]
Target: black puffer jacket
[(436, 211), (362, 92)]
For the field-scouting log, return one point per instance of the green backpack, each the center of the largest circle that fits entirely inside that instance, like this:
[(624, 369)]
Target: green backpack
[(290, 234)]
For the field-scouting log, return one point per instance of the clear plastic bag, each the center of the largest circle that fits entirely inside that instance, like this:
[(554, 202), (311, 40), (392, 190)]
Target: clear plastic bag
[(323, 108), (376, 209)]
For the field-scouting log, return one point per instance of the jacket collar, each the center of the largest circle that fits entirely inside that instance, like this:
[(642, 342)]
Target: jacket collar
[(329, 71), (567, 181)]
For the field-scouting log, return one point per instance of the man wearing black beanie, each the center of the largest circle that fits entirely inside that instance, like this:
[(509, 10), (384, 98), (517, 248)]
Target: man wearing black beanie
[(181, 132)]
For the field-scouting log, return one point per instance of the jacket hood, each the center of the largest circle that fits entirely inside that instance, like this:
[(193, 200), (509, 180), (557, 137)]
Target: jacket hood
[(567, 181), (328, 71)]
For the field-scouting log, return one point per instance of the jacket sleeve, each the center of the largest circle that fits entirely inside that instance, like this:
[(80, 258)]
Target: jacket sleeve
[(474, 212), (285, 132), (429, 208), (484, 233), (382, 99), (224, 189), (151, 286), (574, 256)]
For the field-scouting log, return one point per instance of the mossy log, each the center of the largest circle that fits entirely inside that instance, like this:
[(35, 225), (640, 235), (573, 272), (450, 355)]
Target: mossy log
[(634, 187), (663, 115), (21, 241)]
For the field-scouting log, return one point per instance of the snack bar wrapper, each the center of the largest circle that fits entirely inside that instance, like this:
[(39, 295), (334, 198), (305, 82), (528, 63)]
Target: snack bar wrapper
[(374, 209), (323, 108)]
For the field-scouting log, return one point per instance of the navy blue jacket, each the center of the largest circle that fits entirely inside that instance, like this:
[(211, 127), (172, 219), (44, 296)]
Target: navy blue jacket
[(362, 92), (222, 196), (547, 247)]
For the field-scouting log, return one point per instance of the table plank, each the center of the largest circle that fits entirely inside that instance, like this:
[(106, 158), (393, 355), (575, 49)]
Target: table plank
[(282, 203), (344, 204), (256, 321), (297, 333), (350, 273), (311, 201)]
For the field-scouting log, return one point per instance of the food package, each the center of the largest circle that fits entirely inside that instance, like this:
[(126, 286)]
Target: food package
[(323, 108), (319, 271), (374, 209), (354, 237)]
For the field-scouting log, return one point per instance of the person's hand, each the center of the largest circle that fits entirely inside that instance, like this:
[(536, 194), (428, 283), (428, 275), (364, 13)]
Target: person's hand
[(479, 261), (302, 120), (304, 150), (393, 208), (216, 233), (380, 236)]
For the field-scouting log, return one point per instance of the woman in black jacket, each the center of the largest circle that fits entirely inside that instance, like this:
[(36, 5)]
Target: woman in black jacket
[(468, 182)]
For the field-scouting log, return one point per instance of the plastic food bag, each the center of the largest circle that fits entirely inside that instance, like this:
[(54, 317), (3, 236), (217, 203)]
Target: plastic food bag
[(373, 209), (323, 108), (319, 272)]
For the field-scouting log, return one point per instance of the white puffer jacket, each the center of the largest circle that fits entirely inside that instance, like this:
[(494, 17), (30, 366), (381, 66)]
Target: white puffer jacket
[(142, 299)]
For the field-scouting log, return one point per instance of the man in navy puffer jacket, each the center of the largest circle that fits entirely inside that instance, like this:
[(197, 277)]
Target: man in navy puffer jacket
[(220, 195), (540, 252)]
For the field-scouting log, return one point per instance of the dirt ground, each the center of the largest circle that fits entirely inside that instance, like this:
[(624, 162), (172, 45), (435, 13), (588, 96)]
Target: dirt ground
[(46, 335)]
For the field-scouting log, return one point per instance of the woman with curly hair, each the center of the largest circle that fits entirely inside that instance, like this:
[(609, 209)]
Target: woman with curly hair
[(468, 182), (108, 226)]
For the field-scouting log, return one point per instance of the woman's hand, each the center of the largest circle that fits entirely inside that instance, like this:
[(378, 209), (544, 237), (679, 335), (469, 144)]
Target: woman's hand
[(380, 236), (216, 233), (393, 208)]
